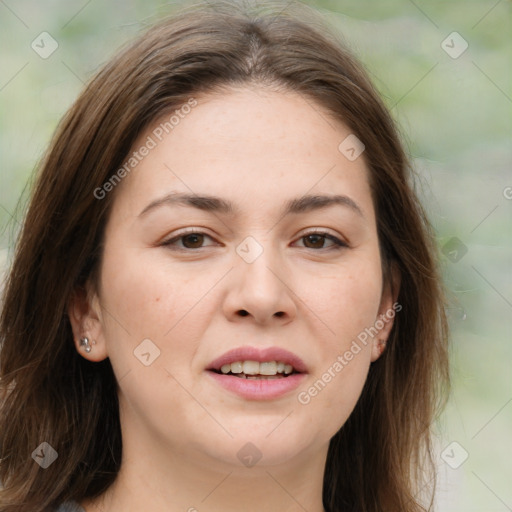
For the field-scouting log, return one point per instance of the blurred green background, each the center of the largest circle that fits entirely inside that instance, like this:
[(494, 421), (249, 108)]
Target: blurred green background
[(455, 114)]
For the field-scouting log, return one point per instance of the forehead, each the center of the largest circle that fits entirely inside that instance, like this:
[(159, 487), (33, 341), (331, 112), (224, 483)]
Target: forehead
[(252, 145)]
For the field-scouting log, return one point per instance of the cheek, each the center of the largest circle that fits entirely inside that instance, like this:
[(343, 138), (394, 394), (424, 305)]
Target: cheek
[(138, 297), (148, 297), (150, 301), (347, 302)]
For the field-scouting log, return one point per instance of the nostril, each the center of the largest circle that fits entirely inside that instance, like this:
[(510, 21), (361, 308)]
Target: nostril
[(242, 312)]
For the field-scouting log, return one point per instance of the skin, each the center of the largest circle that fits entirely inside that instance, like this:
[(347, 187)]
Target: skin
[(181, 432)]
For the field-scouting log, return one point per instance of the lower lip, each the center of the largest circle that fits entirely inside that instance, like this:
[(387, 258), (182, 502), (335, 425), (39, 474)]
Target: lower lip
[(258, 389)]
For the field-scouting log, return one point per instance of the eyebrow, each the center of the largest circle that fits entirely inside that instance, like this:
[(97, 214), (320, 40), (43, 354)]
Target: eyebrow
[(216, 204)]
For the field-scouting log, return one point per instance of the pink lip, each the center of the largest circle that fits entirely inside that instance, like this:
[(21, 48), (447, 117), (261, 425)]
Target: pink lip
[(258, 389), (260, 355)]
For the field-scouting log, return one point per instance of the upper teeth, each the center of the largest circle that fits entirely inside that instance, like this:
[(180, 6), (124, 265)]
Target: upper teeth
[(256, 368)]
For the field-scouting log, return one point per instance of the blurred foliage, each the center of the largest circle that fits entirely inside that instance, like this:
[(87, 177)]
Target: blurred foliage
[(455, 117)]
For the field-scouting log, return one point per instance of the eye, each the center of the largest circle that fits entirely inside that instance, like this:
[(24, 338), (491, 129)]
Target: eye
[(194, 239), (316, 240), (190, 239)]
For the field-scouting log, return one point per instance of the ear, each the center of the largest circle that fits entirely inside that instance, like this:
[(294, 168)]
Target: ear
[(388, 308), (84, 313)]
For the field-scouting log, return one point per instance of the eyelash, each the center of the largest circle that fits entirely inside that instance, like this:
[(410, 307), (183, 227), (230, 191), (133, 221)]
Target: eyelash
[(338, 244)]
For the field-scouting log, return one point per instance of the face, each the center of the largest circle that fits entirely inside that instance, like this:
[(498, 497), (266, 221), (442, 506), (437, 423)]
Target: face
[(264, 270)]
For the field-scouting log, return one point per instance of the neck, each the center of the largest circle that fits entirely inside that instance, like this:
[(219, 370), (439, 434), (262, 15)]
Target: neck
[(183, 480)]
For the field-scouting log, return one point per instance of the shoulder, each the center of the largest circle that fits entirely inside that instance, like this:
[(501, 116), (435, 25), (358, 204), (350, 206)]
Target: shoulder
[(69, 506)]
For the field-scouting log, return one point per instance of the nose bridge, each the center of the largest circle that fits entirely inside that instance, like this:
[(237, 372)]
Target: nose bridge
[(258, 257), (260, 280)]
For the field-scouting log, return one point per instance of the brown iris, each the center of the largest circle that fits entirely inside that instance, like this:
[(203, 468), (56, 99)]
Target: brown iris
[(193, 240)]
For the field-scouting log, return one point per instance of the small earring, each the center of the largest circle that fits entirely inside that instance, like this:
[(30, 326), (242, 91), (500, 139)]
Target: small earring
[(84, 342), (382, 346)]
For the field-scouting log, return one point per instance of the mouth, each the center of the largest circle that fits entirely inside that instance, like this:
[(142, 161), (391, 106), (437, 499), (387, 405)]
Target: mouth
[(258, 374)]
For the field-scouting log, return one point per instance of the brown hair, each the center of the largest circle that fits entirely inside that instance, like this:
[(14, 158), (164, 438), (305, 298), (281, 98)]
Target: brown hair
[(378, 459)]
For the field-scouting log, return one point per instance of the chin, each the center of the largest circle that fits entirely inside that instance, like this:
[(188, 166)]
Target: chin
[(262, 446)]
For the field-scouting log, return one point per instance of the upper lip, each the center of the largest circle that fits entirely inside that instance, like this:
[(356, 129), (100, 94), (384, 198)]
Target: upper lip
[(261, 355)]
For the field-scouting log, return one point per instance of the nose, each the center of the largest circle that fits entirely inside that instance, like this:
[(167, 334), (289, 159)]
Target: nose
[(260, 290)]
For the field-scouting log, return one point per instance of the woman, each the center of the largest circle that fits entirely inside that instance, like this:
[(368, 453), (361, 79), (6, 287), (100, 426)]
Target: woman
[(224, 295)]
